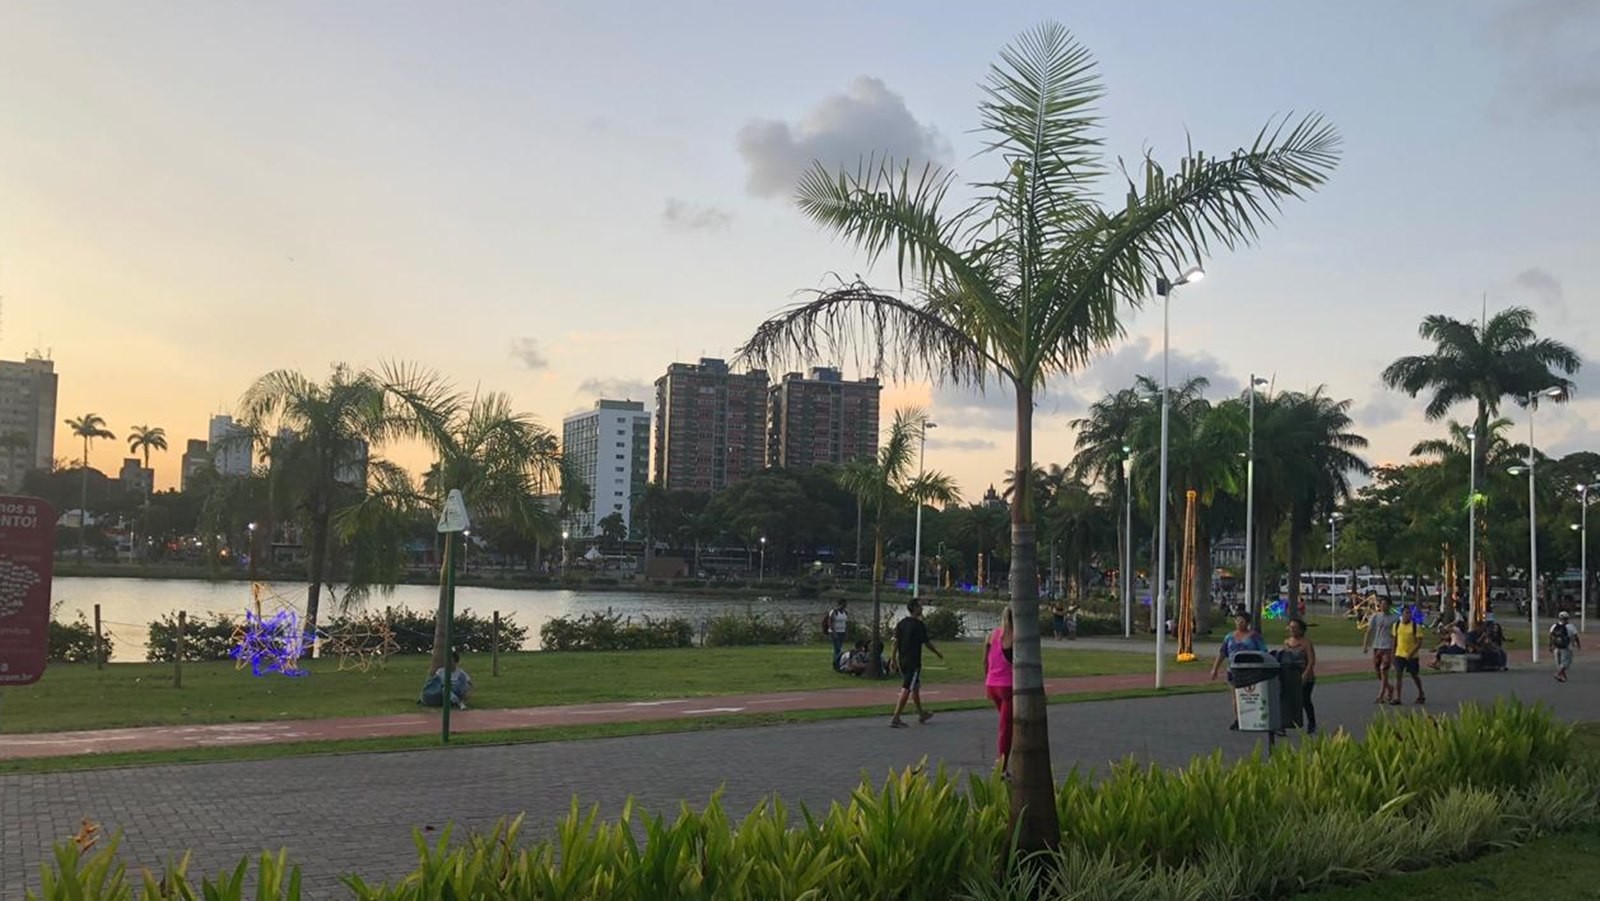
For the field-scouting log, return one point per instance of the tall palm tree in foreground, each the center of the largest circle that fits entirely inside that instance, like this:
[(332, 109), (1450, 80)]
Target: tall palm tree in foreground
[(1028, 280), (885, 482), (89, 427)]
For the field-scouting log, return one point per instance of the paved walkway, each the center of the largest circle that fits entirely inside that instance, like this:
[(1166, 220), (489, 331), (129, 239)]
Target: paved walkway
[(356, 813), (157, 738)]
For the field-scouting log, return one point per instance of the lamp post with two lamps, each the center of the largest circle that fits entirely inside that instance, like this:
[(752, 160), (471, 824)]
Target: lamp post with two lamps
[(1582, 528), (1533, 523), (916, 551), (1164, 289), (1333, 560)]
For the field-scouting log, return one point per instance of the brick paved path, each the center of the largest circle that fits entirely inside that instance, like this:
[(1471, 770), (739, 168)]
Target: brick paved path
[(356, 812)]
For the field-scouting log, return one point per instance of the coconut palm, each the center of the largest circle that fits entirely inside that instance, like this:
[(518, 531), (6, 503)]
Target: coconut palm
[(1484, 364), (495, 456), (321, 440), (1320, 449), (885, 483), (89, 427), (1029, 280)]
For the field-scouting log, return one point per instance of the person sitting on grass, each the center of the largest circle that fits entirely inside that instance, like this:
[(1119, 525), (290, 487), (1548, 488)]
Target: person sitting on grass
[(461, 685), (855, 661), (1484, 642)]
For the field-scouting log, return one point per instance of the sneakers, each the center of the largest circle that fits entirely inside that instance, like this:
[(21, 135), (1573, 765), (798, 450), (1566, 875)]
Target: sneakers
[(898, 724), (925, 716)]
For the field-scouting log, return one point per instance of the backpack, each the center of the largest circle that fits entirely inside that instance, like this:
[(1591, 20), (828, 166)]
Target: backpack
[(432, 692), (1560, 638)]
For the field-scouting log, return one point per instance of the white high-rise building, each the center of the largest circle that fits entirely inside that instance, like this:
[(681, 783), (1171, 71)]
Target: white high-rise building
[(232, 449), (609, 449), (27, 418)]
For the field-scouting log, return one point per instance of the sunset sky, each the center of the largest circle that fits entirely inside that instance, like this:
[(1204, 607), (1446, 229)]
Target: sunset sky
[(559, 200)]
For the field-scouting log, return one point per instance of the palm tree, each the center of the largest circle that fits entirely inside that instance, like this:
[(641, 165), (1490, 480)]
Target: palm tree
[(497, 457), (321, 440), (1028, 281), (144, 439), (89, 426), (1320, 450), (1502, 358), (886, 482)]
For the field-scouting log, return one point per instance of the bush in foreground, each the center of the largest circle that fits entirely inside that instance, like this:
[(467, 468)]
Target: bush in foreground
[(1417, 792)]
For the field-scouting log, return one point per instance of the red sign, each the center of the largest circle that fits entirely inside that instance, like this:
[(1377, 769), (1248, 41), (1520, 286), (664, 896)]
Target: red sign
[(27, 555)]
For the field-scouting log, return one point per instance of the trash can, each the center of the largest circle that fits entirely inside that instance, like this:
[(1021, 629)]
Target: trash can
[(1254, 676)]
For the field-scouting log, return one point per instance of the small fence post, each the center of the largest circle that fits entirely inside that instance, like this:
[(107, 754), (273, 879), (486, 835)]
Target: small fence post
[(99, 641), (177, 657), (494, 649)]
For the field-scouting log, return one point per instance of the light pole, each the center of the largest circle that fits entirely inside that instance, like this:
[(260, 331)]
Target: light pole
[(763, 576), (252, 528), (1333, 559), (1127, 544), (1252, 603), (1164, 289), (1583, 554), (916, 551), (564, 535), (1472, 516), (1533, 525)]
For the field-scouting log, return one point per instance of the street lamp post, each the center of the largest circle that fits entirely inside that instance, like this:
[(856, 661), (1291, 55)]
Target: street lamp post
[(1127, 544), (1333, 560), (1533, 525), (763, 576), (1582, 528), (252, 528), (916, 551), (1472, 516), (564, 536), (1252, 602), (1164, 289)]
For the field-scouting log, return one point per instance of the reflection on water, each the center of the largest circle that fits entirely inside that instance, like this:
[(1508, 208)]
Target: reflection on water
[(128, 606)]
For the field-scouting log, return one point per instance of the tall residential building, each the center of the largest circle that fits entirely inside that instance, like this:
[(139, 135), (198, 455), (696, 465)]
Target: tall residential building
[(27, 418), (711, 425), (195, 457), (231, 446), (822, 419), (609, 449)]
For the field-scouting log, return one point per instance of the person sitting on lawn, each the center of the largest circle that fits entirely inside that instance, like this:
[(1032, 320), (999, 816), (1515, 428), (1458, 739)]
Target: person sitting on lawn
[(460, 682), (855, 661), (1484, 642)]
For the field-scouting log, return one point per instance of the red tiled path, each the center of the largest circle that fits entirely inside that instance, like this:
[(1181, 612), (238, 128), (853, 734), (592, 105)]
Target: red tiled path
[(425, 722)]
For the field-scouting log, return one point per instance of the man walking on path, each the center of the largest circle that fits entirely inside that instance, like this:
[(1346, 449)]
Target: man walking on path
[(1563, 638), (910, 635), (836, 624), (1407, 648), (1380, 639)]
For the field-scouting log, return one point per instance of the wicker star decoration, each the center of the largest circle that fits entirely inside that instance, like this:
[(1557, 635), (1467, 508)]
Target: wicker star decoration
[(362, 644)]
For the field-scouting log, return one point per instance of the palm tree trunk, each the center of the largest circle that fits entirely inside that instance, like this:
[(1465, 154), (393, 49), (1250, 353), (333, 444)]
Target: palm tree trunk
[(320, 536), (83, 501), (440, 618), (1033, 801), (1202, 582), (873, 669), (1296, 538)]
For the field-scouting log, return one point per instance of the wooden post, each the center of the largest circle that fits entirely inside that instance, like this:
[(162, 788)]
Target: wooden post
[(177, 659), (99, 641), (494, 649)]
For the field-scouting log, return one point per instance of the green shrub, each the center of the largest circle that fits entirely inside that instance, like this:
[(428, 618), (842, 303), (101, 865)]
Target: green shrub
[(413, 631), (609, 631), (945, 623), (734, 630), (74, 642), (203, 639)]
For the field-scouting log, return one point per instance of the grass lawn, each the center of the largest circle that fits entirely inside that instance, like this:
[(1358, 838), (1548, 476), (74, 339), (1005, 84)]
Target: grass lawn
[(76, 696)]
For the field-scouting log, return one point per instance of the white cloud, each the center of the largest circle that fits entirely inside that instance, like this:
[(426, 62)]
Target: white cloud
[(526, 351), (682, 216), (867, 119), (1548, 50), (618, 389), (1118, 368)]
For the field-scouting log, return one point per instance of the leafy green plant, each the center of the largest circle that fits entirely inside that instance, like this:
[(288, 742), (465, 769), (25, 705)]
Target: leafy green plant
[(203, 639), (945, 623), (74, 642), (735, 630), (611, 631)]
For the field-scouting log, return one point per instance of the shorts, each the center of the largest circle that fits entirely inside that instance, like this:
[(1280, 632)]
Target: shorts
[(1382, 658), (1404, 665), (911, 678), (1563, 658)]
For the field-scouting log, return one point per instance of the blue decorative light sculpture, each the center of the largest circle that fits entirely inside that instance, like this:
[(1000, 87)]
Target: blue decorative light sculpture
[(271, 644), (1278, 609)]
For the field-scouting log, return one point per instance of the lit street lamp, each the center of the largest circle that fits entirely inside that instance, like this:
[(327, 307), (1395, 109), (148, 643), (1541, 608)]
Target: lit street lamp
[(1532, 402), (1127, 544), (1164, 289), (564, 536), (1252, 602), (1333, 559), (252, 528), (1583, 554), (763, 576), (916, 551), (1472, 516)]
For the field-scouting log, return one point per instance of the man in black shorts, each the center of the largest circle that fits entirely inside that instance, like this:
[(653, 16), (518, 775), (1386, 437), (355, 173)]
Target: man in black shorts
[(910, 635)]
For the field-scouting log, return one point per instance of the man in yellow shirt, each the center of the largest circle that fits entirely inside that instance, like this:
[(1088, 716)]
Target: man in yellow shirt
[(1407, 648)]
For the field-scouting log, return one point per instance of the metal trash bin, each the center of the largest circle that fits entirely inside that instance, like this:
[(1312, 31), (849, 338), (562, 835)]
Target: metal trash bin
[(1254, 676)]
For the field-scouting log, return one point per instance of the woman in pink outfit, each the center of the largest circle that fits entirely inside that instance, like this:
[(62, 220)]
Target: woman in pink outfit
[(997, 679)]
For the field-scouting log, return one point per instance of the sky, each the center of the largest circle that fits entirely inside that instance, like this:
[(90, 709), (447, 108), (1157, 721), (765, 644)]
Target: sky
[(557, 200)]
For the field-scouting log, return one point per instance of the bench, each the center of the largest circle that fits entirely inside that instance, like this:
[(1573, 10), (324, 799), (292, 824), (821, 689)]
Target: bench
[(1461, 663)]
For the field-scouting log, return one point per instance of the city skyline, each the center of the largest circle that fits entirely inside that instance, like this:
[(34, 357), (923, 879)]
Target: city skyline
[(561, 203)]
